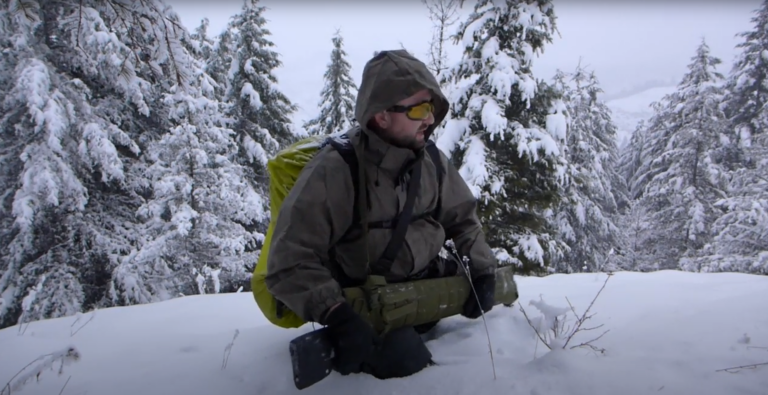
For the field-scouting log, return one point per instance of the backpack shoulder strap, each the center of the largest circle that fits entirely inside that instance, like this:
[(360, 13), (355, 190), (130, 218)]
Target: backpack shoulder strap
[(347, 152), (434, 154), (400, 225)]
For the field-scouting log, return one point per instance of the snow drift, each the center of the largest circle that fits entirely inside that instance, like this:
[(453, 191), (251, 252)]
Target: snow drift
[(669, 333)]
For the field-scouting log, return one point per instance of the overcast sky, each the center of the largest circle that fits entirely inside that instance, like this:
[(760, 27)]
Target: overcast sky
[(627, 42)]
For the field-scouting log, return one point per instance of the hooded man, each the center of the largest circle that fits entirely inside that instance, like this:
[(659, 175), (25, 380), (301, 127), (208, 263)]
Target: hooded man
[(316, 250)]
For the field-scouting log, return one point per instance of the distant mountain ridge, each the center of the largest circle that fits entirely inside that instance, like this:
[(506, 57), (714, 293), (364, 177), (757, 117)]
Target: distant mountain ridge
[(627, 92)]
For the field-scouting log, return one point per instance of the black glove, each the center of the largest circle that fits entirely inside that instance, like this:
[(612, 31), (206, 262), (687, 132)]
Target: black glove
[(354, 340), (485, 287)]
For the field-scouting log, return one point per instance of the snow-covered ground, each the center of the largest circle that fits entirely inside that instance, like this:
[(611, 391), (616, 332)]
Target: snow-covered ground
[(628, 111), (668, 334)]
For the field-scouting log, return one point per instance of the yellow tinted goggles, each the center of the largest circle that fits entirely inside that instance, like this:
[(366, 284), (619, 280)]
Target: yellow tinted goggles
[(416, 112)]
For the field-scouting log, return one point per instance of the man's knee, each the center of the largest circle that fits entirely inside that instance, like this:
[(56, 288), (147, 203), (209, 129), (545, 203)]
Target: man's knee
[(426, 327), (402, 353)]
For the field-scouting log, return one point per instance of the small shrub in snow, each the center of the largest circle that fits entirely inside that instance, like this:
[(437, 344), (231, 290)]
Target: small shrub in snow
[(553, 329)]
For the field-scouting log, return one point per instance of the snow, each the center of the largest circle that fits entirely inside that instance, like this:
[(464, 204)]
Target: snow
[(557, 124), (253, 96), (529, 246), (448, 137), (492, 117), (475, 171), (668, 334), (96, 149)]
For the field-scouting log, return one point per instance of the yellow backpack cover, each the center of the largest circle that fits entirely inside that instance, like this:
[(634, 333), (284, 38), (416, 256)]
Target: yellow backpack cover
[(283, 170)]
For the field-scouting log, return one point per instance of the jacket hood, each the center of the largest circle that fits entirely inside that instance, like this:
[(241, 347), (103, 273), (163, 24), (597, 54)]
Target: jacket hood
[(392, 76)]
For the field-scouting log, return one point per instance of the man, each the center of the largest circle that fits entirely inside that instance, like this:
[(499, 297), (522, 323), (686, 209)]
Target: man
[(316, 250)]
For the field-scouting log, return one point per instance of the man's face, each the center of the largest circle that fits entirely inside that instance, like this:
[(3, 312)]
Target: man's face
[(400, 130)]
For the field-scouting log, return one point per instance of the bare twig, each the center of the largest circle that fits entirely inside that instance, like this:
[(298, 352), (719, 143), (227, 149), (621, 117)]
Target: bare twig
[(487, 333), (560, 328), (24, 325), (589, 344), (227, 350), (65, 385), (584, 317), (79, 24), (93, 314), (534, 328), (735, 369)]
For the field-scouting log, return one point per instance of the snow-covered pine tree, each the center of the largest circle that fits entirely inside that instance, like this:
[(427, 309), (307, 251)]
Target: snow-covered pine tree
[(747, 85), (683, 179), (631, 158), (80, 109), (635, 231), (337, 104), (198, 220), (203, 45), (219, 63), (591, 198), (740, 240), (504, 128), (260, 111), (644, 147)]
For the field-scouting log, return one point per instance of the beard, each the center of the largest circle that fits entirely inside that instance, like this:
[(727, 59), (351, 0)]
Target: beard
[(413, 142)]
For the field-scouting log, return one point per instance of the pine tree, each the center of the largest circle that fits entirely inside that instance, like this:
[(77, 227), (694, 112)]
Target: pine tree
[(747, 87), (632, 157), (595, 191), (198, 222), (202, 203), (80, 109), (203, 46), (219, 63), (443, 14), (683, 178), (636, 231), (337, 104), (740, 241), (261, 112), (504, 127)]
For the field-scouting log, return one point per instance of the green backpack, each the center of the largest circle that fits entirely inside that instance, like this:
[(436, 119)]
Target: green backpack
[(284, 169)]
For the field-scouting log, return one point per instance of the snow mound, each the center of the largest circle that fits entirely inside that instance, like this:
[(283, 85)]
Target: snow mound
[(669, 333)]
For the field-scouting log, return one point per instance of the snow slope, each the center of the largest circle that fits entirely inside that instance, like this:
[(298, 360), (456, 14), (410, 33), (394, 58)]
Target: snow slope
[(668, 334), (628, 111)]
